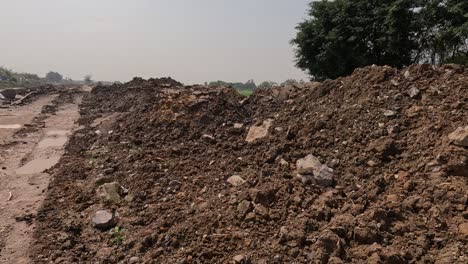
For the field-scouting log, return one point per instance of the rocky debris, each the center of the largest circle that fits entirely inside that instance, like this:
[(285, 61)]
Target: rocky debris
[(260, 131), (110, 192), (310, 169), (236, 180), (103, 220), (459, 137)]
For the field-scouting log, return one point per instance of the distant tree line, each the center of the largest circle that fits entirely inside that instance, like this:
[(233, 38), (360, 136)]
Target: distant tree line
[(250, 85), (342, 35), (9, 78)]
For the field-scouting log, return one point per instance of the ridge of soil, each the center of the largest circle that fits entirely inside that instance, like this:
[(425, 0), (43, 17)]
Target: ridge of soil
[(400, 193)]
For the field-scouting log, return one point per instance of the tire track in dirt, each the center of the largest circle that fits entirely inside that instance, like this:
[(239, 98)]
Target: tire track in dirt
[(25, 153)]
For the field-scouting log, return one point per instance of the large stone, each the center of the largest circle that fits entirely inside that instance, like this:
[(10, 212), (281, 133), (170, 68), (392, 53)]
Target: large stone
[(9, 94), (235, 180), (104, 219), (310, 169), (460, 136), (110, 192), (261, 131)]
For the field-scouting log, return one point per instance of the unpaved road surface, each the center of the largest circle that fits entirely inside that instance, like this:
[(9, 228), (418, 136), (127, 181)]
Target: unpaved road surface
[(32, 138)]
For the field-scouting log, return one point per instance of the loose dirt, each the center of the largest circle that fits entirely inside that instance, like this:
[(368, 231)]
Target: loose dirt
[(23, 157), (169, 169)]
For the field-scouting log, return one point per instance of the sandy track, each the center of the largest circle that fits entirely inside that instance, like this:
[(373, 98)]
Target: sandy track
[(23, 158)]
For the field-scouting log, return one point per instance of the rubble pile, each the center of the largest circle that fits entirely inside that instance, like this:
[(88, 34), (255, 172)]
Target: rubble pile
[(369, 168)]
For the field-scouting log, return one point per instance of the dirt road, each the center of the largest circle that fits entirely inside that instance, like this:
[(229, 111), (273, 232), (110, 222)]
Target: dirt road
[(32, 138)]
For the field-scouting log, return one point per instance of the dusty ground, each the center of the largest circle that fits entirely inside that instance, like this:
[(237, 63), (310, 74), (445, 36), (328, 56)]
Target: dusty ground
[(32, 137)]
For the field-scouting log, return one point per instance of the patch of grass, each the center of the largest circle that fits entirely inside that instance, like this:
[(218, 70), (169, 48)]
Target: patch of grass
[(245, 93)]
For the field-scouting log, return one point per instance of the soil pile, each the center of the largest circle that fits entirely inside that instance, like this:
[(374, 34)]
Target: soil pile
[(365, 168)]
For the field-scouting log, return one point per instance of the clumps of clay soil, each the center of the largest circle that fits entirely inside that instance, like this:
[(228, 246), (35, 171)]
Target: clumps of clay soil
[(195, 174)]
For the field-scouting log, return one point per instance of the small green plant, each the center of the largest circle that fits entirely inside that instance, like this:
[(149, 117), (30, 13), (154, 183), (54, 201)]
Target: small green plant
[(117, 236)]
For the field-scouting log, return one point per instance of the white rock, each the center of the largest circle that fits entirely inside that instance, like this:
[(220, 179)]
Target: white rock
[(235, 180), (459, 137), (110, 191), (389, 113), (103, 219), (413, 92), (261, 131)]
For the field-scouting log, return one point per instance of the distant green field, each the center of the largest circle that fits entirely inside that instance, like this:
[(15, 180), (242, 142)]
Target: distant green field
[(246, 92)]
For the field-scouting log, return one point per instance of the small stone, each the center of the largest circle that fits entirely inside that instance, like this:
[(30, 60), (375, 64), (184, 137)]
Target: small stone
[(310, 169), (389, 113), (372, 163), (460, 136), (262, 210), (103, 220), (250, 216), (308, 164), (284, 163), (244, 208), (413, 92), (407, 74), (392, 198), (101, 180), (463, 229), (238, 125), (208, 138), (413, 111), (110, 191), (393, 129), (235, 180), (134, 260), (394, 82), (335, 162), (129, 198), (238, 258), (258, 132)]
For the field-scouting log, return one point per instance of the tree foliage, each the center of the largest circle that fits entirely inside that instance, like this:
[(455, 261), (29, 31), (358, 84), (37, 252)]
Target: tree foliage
[(249, 85), (88, 79), (53, 77), (267, 84), (342, 35)]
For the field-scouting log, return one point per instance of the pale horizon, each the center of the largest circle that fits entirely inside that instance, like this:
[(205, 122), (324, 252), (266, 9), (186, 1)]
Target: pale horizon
[(116, 40)]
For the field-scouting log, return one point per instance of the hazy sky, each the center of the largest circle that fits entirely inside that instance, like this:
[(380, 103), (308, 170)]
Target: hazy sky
[(191, 40)]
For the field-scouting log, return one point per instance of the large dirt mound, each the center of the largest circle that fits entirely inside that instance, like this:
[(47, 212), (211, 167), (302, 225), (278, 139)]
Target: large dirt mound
[(202, 175)]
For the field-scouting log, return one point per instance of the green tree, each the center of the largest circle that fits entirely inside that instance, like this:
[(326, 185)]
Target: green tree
[(267, 84), (444, 31), (342, 35), (88, 79), (53, 77)]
